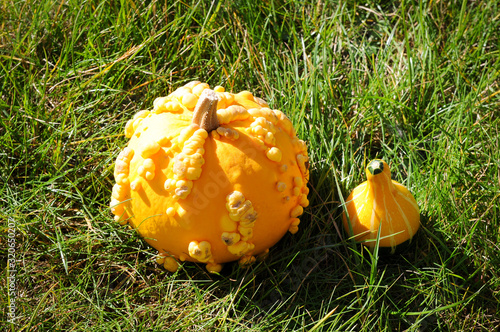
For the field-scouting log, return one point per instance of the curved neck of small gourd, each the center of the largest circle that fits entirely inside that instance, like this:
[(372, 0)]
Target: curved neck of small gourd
[(380, 184)]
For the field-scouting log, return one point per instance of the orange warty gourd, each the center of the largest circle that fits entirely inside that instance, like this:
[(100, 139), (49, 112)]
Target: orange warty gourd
[(210, 176), (381, 202)]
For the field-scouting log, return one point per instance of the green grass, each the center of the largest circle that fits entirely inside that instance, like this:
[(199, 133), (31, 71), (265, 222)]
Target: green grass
[(413, 83)]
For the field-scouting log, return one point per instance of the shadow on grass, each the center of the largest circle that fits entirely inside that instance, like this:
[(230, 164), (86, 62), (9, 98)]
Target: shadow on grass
[(310, 277), (319, 276)]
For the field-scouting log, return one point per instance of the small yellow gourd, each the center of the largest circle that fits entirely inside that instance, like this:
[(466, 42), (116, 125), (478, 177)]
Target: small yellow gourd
[(210, 176), (381, 202)]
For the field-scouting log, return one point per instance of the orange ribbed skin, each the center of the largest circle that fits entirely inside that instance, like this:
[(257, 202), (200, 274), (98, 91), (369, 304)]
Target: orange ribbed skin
[(381, 202)]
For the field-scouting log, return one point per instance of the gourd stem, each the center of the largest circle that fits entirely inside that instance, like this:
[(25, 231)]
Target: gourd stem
[(205, 112)]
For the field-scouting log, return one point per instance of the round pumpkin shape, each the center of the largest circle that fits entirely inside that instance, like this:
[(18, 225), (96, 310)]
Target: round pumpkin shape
[(381, 203), (210, 176)]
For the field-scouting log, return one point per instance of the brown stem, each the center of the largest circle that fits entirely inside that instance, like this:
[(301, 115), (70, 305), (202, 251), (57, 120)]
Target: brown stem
[(205, 112)]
